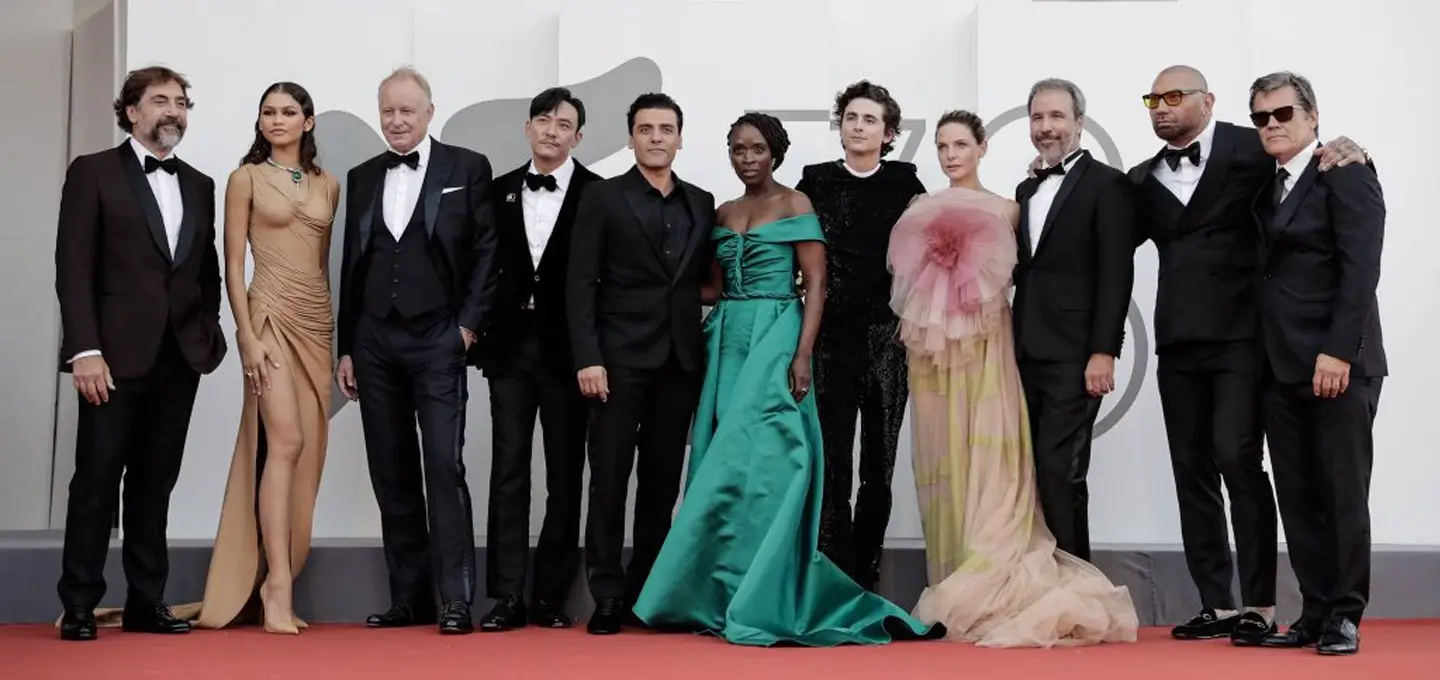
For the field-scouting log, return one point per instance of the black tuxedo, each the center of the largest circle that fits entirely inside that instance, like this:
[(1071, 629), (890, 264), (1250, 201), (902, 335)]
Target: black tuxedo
[(1072, 293), (1320, 254), (154, 317), (637, 260), (526, 356), (1209, 368), (409, 358)]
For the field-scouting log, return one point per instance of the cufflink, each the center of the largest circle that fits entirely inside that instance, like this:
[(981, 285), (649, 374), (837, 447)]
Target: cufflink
[(509, 198)]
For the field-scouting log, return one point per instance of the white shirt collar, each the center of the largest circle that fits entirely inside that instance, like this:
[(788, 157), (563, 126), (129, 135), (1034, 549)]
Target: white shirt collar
[(423, 148), (1297, 165), (1070, 159), (561, 174), (1206, 139), (142, 153)]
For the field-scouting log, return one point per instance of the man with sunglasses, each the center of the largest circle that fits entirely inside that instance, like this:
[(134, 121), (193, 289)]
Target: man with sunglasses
[(1194, 200), (1321, 237)]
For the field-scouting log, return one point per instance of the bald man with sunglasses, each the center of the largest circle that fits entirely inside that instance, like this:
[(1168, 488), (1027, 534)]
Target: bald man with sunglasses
[(1194, 197)]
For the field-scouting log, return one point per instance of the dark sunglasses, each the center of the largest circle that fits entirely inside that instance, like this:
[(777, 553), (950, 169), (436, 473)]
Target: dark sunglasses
[(1282, 115), (1171, 98)]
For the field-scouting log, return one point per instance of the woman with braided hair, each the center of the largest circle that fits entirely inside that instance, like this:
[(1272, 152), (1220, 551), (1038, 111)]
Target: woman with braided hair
[(741, 559)]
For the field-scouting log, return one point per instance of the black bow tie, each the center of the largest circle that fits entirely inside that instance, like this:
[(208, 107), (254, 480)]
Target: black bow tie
[(170, 165), (538, 182), (1172, 156), (1057, 170), (411, 159)]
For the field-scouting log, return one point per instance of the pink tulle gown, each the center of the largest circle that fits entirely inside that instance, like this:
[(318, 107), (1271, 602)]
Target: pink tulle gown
[(996, 577)]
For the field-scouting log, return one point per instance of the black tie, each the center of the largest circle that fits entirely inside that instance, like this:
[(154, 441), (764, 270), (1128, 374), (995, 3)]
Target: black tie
[(1279, 195), (538, 182), (1173, 156), (1058, 169), (411, 159), (170, 165)]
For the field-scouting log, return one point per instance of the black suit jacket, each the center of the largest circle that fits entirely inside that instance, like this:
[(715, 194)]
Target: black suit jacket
[(1207, 248), (1073, 293), (1321, 264), (460, 224), (118, 286), (520, 279), (626, 307)]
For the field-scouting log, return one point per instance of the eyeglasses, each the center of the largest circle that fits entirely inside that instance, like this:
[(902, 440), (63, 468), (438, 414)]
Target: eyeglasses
[(1172, 98), (1282, 115)]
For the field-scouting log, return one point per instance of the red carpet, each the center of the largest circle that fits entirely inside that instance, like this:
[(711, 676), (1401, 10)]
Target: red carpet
[(1389, 649)]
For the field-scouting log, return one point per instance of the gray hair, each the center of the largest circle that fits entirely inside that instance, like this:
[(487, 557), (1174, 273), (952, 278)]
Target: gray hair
[(407, 73), (1061, 85), (1304, 93)]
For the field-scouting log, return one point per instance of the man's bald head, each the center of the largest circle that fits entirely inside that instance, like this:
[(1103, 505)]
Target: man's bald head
[(1180, 104)]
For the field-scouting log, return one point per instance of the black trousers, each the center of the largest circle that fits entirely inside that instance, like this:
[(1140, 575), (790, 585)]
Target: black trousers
[(859, 371), (522, 384), (1210, 394), (1062, 423), (1322, 451), (139, 434), (643, 425), (404, 369)]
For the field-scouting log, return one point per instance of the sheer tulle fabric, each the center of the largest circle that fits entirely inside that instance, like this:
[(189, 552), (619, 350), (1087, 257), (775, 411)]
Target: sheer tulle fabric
[(996, 577)]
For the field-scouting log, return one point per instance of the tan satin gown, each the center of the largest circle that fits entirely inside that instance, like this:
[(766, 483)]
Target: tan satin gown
[(289, 299)]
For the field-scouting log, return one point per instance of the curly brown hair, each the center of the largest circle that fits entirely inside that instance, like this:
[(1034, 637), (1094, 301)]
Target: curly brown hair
[(140, 80), (875, 93)]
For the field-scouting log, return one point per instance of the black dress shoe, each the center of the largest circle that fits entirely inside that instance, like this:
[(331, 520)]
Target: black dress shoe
[(1205, 626), (398, 616), (608, 618), (154, 618), (1302, 633), (1251, 629), (1341, 637), (78, 626), (547, 615), (455, 619), (508, 614)]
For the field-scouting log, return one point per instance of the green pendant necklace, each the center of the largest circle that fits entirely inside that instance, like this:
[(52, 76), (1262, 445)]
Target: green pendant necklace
[(295, 174)]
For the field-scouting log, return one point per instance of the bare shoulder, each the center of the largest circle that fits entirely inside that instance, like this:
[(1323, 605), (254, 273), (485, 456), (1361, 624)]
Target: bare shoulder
[(799, 203)]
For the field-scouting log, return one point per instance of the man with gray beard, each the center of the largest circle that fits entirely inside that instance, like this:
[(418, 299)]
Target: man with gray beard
[(138, 280), (1193, 200)]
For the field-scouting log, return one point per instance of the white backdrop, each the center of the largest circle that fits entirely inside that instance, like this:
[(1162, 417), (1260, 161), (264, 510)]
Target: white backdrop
[(720, 58)]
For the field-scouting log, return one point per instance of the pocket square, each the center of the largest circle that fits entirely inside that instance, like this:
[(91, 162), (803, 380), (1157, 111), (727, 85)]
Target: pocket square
[(447, 190)]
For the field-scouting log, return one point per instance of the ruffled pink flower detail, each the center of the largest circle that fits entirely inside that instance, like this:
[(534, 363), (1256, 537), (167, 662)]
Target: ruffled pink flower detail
[(952, 255)]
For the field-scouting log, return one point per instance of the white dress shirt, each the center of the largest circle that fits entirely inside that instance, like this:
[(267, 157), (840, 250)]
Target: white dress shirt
[(166, 189), (1295, 167), (1039, 206), (1183, 179), (402, 190), (541, 208)]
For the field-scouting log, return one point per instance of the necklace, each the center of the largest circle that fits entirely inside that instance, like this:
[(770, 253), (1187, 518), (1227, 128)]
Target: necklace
[(295, 174)]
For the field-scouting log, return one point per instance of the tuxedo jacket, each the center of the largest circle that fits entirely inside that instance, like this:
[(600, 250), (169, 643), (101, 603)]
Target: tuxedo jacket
[(118, 285), (1207, 248), (456, 197), (1072, 293), (1320, 254), (520, 279), (627, 307)]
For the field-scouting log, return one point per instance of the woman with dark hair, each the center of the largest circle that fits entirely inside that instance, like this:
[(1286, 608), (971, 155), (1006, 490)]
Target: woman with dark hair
[(283, 204), (996, 577), (741, 559)]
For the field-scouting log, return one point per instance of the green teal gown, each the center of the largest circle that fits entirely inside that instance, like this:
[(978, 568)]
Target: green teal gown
[(740, 560)]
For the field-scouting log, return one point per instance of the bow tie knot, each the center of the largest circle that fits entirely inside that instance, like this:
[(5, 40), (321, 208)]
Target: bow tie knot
[(1057, 170), (170, 165), (1174, 156), (537, 182), (393, 160)]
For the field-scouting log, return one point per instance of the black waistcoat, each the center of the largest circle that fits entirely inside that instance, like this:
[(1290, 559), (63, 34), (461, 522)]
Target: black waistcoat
[(402, 275)]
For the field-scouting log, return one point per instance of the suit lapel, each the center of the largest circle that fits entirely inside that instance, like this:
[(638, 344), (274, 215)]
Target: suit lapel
[(372, 208), (510, 215), (146, 196), (190, 213), (1066, 186), (1213, 179), (435, 177), (1292, 201), (697, 230), (630, 188), (1023, 196), (566, 218)]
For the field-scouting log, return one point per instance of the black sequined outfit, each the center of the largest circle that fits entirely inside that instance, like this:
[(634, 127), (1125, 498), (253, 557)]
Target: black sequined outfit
[(859, 362)]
